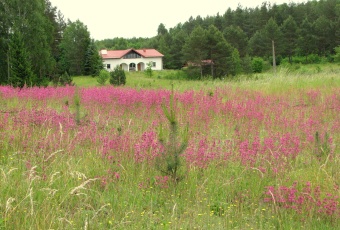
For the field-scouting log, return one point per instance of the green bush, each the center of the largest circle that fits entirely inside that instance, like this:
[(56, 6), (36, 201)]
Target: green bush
[(313, 59), (336, 56), (117, 76), (257, 65), (176, 75), (104, 75), (62, 80), (148, 71), (247, 65)]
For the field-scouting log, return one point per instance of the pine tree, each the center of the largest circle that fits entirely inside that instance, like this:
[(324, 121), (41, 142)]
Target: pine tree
[(219, 52), (21, 73), (236, 37), (194, 50), (75, 43), (236, 67), (93, 61), (290, 36), (273, 33)]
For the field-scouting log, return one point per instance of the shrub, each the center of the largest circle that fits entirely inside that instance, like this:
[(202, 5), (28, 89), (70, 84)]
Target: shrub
[(257, 65), (117, 76), (62, 80), (104, 75), (313, 58), (236, 67), (148, 71), (247, 65), (176, 75), (337, 54)]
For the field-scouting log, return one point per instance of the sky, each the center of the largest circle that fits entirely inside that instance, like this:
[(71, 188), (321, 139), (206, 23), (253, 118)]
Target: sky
[(141, 18)]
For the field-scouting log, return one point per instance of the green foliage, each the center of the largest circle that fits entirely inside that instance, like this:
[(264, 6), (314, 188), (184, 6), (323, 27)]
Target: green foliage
[(21, 73), (322, 147), (74, 47), (76, 101), (237, 38), (193, 51), (219, 51), (337, 54), (193, 73), (169, 160), (62, 80), (257, 65), (247, 65), (272, 30), (29, 22), (117, 76), (104, 75), (258, 44), (236, 63), (148, 71), (290, 36), (93, 61), (176, 75)]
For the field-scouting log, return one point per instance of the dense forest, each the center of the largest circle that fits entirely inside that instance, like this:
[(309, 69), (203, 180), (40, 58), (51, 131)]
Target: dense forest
[(303, 32), (38, 45)]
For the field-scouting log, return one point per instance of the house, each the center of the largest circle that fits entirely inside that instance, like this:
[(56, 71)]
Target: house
[(132, 59), (207, 62)]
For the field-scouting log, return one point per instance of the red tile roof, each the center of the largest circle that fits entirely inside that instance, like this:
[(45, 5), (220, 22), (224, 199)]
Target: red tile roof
[(115, 54)]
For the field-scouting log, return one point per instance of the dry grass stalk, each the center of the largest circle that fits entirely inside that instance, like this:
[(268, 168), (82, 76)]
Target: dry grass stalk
[(82, 186), (50, 156), (52, 177), (9, 204)]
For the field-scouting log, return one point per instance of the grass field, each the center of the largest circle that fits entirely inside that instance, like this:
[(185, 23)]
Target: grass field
[(262, 152)]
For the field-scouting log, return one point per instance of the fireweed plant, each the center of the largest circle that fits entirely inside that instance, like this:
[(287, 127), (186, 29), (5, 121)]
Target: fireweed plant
[(254, 159)]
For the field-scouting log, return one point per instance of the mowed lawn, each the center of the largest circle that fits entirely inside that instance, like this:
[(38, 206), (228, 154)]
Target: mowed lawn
[(262, 152)]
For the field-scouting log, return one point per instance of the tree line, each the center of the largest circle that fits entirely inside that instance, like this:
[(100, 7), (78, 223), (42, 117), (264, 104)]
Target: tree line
[(231, 40), (37, 45)]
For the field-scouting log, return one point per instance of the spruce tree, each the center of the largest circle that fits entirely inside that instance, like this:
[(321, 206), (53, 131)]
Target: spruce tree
[(21, 73)]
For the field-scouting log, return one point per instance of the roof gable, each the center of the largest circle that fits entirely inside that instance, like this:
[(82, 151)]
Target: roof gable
[(117, 54)]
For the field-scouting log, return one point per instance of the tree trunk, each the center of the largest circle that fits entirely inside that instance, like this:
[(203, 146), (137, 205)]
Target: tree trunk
[(274, 59)]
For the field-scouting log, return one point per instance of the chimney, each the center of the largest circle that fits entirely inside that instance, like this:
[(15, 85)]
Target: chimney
[(103, 51)]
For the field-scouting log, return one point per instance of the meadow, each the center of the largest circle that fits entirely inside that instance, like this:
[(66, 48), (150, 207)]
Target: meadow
[(262, 152)]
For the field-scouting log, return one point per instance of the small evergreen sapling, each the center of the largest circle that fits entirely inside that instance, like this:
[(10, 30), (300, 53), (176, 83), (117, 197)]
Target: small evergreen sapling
[(117, 76), (169, 162), (103, 77)]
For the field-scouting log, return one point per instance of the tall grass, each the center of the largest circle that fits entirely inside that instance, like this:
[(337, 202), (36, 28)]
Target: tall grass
[(262, 153)]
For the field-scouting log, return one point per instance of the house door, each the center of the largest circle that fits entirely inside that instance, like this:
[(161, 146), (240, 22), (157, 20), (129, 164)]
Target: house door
[(139, 67)]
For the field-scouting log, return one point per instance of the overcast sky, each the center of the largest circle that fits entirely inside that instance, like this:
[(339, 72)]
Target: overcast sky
[(141, 18)]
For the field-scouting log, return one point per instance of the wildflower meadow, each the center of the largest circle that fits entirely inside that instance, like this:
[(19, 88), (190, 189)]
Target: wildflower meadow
[(94, 158)]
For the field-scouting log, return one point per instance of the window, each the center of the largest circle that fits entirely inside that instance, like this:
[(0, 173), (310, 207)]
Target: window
[(153, 64), (108, 66), (132, 55)]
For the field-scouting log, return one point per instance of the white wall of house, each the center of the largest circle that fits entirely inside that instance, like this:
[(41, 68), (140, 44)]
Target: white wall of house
[(127, 64)]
